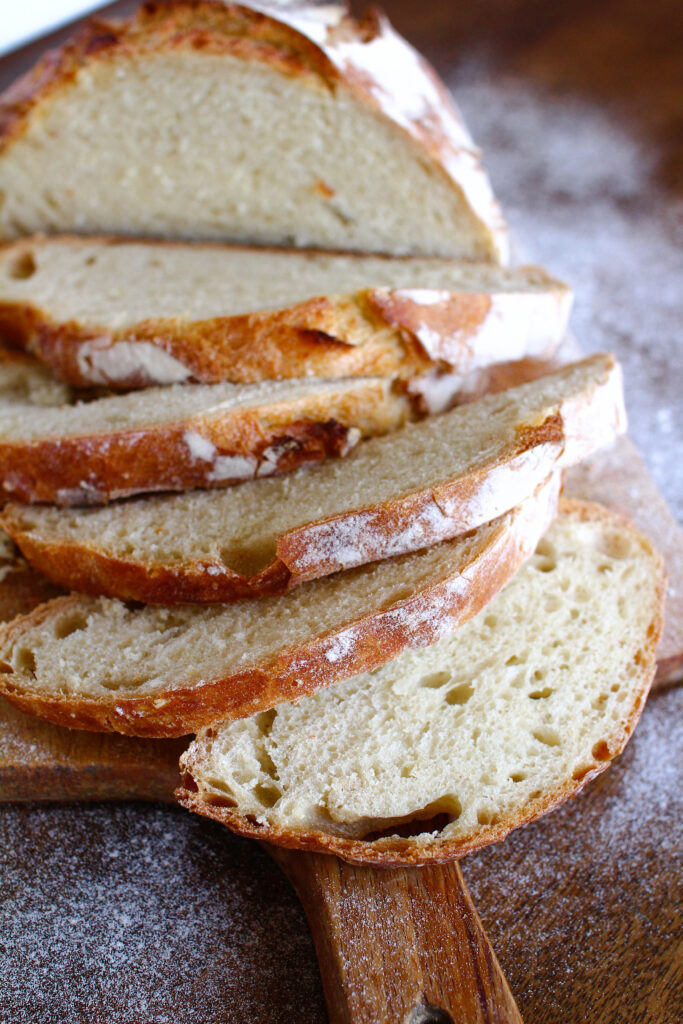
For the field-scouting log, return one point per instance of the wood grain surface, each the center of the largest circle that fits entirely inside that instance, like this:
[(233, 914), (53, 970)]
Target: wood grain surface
[(398, 945)]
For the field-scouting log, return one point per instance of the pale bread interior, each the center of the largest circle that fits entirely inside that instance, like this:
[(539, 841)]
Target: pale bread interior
[(530, 695), (239, 527), (191, 144), (94, 282)]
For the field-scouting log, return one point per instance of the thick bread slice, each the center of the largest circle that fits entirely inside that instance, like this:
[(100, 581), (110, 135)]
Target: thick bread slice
[(213, 121), (94, 663), (422, 484), (447, 749), (126, 314), (186, 435)]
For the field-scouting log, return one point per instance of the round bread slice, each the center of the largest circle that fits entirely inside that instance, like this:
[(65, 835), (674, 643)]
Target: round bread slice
[(415, 487), (95, 663), (447, 749), (56, 449), (125, 313)]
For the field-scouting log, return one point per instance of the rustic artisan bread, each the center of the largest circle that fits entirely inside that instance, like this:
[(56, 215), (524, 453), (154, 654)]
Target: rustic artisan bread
[(121, 314), (446, 749), (186, 435), (95, 663), (422, 484), (214, 121)]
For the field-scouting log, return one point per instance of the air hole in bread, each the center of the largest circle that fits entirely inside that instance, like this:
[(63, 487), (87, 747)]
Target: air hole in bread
[(435, 680), (541, 694), (518, 776), (460, 694), (25, 660), (91, 261), (491, 621), (580, 773), (70, 624), (514, 660), (267, 796), (600, 701), (434, 817), (601, 751), (487, 817), (545, 565), (22, 266), (546, 734)]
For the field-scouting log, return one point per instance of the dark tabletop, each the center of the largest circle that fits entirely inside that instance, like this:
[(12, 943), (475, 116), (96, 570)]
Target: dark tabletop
[(140, 914)]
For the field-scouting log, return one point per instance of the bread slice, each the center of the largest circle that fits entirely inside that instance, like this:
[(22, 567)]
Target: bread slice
[(425, 483), (95, 663), (123, 314), (447, 749), (205, 120), (186, 435)]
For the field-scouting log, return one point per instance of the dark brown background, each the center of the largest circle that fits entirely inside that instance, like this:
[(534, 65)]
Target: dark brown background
[(134, 914)]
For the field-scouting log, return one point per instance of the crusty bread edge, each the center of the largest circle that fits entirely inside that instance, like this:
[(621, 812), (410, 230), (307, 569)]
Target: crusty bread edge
[(272, 437), (464, 503), (300, 669), (398, 332), (312, 550), (395, 851)]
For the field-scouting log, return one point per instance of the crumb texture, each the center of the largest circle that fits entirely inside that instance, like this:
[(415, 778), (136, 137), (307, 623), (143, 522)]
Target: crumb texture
[(536, 692)]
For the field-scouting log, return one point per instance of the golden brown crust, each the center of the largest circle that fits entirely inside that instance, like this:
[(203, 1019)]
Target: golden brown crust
[(303, 668), (374, 331), (309, 551), (266, 439), (394, 851), (319, 56)]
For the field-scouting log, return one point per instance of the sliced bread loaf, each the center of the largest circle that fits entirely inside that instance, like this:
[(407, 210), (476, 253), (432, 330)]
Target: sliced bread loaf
[(128, 314), (95, 663), (211, 120), (447, 749), (186, 435), (422, 484)]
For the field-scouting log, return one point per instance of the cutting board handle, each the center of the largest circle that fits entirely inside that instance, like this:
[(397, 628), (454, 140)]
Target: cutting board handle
[(398, 945)]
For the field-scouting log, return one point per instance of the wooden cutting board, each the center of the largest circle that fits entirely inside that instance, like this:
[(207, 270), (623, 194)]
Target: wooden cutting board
[(428, 950)]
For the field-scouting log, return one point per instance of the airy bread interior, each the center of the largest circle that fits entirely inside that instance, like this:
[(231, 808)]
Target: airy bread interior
[(118, 283), (486, 728), (239, 150), (239, 527)]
